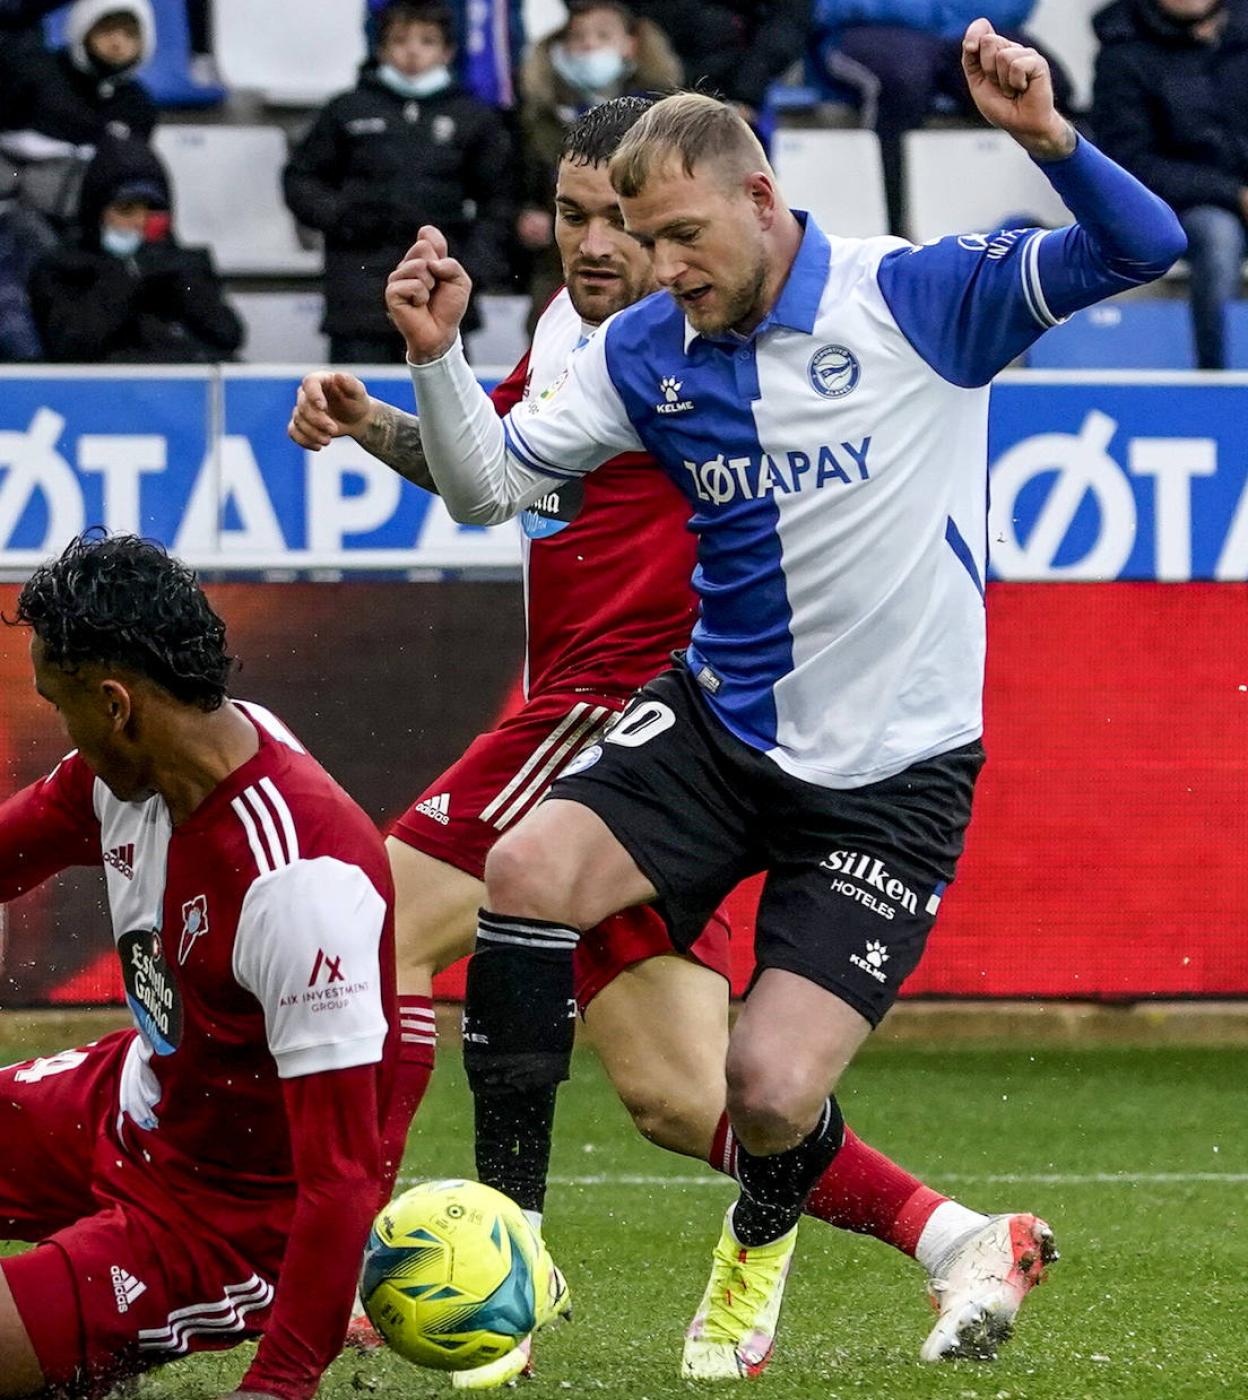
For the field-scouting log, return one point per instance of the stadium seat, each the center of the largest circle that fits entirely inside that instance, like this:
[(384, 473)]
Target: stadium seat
[(283, 328), (228, 195), (295, 54), (168, 75), (1134, 333), (837, 175), (974, 182), (1064, 27)]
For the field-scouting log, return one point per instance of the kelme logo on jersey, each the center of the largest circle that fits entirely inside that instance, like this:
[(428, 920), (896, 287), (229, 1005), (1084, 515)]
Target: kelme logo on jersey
[(725, 479), (151, 991), (554, 511), (834, 371), (672, 402)]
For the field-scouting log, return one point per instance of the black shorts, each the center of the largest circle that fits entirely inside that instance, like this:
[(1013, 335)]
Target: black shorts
[(854, 876)]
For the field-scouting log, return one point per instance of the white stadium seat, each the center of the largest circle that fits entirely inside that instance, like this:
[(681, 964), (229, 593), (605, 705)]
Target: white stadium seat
[(837, 175), (227, 184), (296, 54), (1064, 27), (283, 328), (974, 182)]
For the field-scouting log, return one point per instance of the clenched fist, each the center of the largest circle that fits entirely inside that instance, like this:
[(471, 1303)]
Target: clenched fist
[(426, 297), (1013, 89)]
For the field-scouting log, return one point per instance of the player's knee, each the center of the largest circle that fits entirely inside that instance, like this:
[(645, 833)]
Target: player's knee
[(522, 878), (771, 1106)]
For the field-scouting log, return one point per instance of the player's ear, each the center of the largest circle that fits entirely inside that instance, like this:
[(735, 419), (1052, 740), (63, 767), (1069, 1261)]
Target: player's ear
[(761, 191), (118, 703)]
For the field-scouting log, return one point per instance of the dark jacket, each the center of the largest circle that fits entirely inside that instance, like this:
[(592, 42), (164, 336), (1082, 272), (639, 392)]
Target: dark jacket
[(375, 167), (53, 96), (1171, 109), (734, 48), (162, 306)]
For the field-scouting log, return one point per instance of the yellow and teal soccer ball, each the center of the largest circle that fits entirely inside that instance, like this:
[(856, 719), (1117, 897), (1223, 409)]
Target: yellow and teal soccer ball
[(452, 1275)]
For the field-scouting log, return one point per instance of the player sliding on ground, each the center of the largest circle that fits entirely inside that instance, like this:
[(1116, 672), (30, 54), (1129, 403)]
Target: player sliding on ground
[(608, 597), (209, 1175), (823, 404)]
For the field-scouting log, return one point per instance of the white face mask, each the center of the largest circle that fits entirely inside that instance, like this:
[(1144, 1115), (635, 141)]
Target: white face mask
[(120, 242), (593, 71), (426, 84)]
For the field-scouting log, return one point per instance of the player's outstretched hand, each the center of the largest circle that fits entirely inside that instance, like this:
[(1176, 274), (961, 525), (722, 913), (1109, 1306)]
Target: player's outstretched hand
[(329, 405), (1013, 89), (427, 295)]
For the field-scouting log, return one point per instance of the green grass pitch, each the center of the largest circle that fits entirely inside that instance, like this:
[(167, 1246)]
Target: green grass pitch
[(1137, 1156)]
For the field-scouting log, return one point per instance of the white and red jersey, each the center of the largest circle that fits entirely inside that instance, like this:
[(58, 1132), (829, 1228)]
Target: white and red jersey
[(257, 950), (607, 560)]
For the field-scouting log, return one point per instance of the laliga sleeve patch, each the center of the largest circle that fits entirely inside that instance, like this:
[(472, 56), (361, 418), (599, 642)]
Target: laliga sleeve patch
[(151, 990)]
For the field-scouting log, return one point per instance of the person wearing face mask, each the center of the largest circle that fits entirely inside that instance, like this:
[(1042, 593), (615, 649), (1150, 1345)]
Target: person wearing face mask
[(381, 159), (121, 289), (603, 51), (1170, 104), (56, 108)]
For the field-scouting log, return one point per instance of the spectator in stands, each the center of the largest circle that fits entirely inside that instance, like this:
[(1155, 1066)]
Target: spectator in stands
[(57, 107), (602, 51), (22, 241), (407, 146), (735, 48), (121, 290), (489, 43), (900, 58), (1171, 104)]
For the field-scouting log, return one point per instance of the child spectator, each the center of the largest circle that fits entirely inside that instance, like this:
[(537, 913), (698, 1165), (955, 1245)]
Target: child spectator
[(407, 146), (1171, 104), (603, 51), (899, 57), (121, 290), (56, 108)]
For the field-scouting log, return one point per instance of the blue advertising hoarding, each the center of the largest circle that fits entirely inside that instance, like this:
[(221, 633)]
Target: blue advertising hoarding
[(1093, 476)]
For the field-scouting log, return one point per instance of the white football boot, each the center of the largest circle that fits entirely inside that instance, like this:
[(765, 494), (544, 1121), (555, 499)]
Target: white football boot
[(733, 1333), (979, 1285)]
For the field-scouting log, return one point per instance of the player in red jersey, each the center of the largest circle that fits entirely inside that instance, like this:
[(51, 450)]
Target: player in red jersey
[(607, 567), (209, 1175)]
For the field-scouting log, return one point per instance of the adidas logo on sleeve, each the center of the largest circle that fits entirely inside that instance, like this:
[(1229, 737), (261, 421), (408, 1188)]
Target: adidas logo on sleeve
[(438, 808), (121, 858)]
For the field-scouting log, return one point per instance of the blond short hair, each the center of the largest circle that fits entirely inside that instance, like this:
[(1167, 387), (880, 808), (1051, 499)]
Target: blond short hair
[(691, 126)]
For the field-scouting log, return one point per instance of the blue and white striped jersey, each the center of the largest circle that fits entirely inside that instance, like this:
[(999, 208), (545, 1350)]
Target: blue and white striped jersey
[(836, 462)]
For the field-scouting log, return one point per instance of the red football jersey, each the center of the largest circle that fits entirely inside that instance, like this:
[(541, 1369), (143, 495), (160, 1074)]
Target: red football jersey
[(608, 561), (257, 946)]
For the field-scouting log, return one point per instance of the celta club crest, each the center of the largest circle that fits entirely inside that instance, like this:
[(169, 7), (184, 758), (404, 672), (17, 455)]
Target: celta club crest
[(194, 925), (834, 371)]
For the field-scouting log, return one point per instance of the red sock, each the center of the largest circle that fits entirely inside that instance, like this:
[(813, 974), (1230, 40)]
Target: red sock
[(861, 1191), (418, 1038)]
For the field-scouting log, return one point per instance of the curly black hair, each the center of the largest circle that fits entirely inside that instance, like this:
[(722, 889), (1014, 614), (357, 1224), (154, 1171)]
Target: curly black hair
[(119, 600), (593, 138)]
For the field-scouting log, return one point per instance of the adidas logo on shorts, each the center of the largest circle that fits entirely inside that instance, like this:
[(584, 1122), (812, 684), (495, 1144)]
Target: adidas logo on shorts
[(437, 807), (126, 1288)]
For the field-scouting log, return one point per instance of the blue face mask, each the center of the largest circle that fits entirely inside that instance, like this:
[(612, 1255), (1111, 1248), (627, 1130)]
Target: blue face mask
[(594, 71), (120, 242), (427, 84)]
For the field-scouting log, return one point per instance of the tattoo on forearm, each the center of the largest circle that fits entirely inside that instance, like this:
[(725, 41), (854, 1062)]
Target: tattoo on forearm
[(393, 437)]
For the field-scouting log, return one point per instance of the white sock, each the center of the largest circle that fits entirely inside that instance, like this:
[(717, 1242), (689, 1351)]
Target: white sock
[(947, 1223), (534, 1217)]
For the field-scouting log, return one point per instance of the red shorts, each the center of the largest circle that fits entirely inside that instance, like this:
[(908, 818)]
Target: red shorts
[(505, 773), (112, 1288)]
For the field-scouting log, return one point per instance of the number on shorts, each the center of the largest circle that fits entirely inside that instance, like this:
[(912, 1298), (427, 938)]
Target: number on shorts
[(52, 1064), (641, 723)]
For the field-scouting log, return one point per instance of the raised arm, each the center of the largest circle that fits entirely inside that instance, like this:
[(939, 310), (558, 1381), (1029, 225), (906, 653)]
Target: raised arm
[(487, 471), (970, 305)]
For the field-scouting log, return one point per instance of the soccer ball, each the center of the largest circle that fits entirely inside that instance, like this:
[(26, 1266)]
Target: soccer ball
[(453, 1273)]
